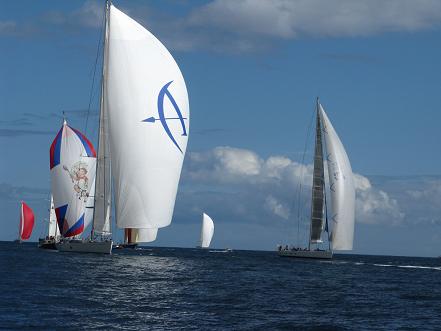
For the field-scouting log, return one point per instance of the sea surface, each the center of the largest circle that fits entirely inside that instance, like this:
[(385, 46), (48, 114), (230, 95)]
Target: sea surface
[(190, 289)]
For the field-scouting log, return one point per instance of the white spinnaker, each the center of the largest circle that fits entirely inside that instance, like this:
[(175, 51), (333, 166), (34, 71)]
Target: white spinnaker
[(341, 186), (142, 78), (207, 231), (73, 163), (53, 228), (147, 235)]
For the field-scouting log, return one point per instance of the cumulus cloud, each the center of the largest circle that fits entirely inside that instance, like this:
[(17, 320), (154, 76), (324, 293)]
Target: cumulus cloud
[(89, 15), (7, 27), (375, 205), (270, 189), (276, 207), (251, 25), (241, 26)]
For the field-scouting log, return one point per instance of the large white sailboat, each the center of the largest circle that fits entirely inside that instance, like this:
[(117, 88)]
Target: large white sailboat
[(143, 133), (341, 188)]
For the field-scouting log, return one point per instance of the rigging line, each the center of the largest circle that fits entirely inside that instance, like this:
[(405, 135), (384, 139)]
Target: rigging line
[(299, 188), (91, 94)]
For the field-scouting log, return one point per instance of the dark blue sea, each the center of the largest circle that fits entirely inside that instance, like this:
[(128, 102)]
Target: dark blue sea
[(189, 289)]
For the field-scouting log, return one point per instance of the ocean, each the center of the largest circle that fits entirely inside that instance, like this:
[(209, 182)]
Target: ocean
[(189, 289)]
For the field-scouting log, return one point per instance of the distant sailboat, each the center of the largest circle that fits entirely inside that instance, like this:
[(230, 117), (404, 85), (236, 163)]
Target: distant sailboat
[(53, 234), (26, 222), (144, 127), (207, 231), (341, 187)]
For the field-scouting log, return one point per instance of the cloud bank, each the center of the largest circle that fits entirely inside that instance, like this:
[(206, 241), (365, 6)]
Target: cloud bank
[(241, 26), (240, 185)]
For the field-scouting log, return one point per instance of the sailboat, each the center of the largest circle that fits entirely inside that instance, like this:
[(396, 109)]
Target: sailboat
[(342, 191), (143, 133), (207, 231), (26, 222), (73, 166), (53, 234)]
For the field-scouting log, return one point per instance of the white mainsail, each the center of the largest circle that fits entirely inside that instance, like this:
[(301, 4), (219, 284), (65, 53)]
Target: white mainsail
[(103, 187), (207, 230), (53, 230), (72, 164), (341, 186), (146, 101)]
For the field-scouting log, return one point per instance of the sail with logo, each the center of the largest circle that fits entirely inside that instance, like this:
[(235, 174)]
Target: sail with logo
[(329, 148), (146, 103), (72, 164)]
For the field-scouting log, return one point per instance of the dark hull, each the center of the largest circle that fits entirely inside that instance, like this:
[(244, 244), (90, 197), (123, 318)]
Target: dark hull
[(47, 245), (306, 254), (122, 246)]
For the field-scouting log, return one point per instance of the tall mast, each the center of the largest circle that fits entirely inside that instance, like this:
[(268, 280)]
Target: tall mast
[(102, 192), (318, 186)]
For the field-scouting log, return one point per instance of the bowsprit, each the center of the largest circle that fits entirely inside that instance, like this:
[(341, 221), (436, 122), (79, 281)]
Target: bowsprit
[(161, 96)]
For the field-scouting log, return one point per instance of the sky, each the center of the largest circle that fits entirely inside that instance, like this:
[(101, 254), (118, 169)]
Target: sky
[(253, 70)]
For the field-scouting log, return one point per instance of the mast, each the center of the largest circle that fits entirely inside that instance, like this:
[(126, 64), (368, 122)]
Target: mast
[(101, 212), (318, 186)]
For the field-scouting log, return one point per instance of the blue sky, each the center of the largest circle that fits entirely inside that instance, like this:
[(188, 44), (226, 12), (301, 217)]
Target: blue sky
[(253, 70)]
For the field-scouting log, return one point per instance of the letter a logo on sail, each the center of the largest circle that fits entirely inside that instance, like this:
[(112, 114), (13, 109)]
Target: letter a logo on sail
[(165, 92)]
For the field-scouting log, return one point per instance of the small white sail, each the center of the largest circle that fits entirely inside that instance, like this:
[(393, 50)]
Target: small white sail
[(341, 186), (147, 106), (207, 231), (72, 164), (53, 230)]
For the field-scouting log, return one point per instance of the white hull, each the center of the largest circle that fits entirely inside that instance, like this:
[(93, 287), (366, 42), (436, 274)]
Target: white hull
[(100, 247), (306, 254)]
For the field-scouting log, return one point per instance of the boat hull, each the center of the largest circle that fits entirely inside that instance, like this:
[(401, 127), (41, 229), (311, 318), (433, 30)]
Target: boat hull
[(126, 246), (47, 244), (99, 247), (306, 254)]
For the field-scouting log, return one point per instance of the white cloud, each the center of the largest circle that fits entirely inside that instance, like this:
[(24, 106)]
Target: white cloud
[(249, 25), (293, 18), (7, 27), (241, 26), (276, 207), (89, 15), (263, 188)]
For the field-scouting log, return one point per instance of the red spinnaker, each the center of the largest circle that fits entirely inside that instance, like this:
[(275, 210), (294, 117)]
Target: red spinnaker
[(26, 221)]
